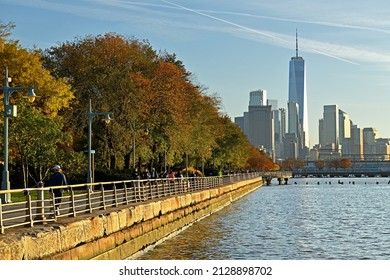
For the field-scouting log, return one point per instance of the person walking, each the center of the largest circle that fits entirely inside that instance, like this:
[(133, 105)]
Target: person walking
[(58, 178), (153, 174)]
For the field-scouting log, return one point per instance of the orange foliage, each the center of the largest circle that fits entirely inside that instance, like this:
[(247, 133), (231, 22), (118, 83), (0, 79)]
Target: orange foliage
[(260, 161)]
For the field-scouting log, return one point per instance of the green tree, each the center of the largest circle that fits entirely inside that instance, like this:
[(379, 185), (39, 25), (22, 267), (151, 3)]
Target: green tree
[(114, 72), (38, 143), (25, 67), (233, 148)]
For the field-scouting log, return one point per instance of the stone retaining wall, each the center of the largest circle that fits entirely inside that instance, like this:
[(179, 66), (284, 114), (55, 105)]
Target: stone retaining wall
[(123, 231)]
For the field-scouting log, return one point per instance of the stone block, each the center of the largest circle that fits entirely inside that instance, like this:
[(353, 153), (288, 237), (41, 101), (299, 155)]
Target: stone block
[(96, 227), (42, 244), (205, 195), (165, 206), (112, 223), (196, 198), (11, 248)]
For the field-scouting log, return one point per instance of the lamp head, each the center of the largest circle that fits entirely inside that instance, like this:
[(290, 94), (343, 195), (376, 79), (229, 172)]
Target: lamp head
[(107, 119), (31, 94)]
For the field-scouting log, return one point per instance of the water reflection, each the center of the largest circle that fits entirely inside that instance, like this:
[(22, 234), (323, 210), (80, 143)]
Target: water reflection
[(307, 219)]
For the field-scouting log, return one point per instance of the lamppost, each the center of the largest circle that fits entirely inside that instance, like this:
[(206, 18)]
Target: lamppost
[(133, 146), (10, 111), (91, 115)]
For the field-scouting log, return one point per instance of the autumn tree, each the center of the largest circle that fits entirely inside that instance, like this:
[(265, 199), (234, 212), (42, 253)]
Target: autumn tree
[(259, 160), (345, 163), (115, 73), (292, 164), (320, 164), (25, 67), (146, 91), (339, 163)]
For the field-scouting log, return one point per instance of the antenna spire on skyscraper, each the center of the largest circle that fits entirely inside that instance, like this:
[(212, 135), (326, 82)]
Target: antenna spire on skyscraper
[(296, 42)]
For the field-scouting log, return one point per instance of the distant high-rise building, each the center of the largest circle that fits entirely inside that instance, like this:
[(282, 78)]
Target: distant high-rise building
[(282, 121), (258, 123), (290, 144), (258, 98), (382, 149), (293, 118), (329, 127), (264, 123), (345, 132), (273, 103), (356, 145), (261, 127), (240, 122), (278, 133), (370, 135), (297, 94)]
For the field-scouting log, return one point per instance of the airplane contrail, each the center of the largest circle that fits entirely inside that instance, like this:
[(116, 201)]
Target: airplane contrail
[(255, 31), (323, 23), (227, 22)]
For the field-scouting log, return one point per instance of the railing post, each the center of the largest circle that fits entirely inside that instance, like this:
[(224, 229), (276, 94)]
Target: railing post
[(90, 198), (150, 189), (115, 196), (1, 218), (166, 187), (41, 203), (72, 199), (126, 193), (137, 190), (29, 210), (103, 197), (53, 198)]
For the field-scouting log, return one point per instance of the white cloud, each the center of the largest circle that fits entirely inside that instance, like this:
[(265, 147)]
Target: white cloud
[(349, 54)]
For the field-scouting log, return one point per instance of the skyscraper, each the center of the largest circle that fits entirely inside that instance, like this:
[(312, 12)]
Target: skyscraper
[(258, 98), (258, 123), (297, 99), (329, 127), (345, 133), (277, 127), (356, 142), (370, 135), (261, 127)]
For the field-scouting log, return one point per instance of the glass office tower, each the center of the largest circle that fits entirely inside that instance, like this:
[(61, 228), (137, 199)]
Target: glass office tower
[(297, 94)]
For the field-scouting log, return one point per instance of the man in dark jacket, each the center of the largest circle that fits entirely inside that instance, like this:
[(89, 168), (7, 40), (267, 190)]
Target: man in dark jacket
[(57, 179)]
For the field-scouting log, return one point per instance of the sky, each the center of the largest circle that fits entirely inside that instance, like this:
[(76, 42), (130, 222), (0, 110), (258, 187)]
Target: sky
[(233, 47)]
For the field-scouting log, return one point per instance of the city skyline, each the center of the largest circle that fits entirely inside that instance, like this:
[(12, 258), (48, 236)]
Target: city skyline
[(264, 124), (239, 47)]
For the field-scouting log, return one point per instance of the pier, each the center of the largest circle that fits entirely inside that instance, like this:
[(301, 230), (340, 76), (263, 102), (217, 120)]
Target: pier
[(281, 176)]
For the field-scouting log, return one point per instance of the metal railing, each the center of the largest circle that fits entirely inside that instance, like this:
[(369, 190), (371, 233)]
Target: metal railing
[(38, 205)]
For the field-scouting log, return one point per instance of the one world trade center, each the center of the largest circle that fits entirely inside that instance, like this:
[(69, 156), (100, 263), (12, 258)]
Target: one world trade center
[(297, 103)]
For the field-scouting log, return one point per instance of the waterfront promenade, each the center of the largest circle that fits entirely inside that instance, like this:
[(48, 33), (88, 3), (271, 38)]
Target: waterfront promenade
[(115, 219), (37, 204)]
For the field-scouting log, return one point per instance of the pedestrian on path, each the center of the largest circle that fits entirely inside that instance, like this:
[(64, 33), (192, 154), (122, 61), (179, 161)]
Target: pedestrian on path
[(58, 178)]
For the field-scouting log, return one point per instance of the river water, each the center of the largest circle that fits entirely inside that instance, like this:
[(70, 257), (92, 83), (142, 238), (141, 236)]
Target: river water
[(307, 219)]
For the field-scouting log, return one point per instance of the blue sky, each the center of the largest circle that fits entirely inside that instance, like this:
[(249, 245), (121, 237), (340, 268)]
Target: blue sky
[(234, 47)]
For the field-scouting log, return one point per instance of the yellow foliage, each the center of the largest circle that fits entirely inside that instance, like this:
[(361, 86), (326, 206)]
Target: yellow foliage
[(193, 171)]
